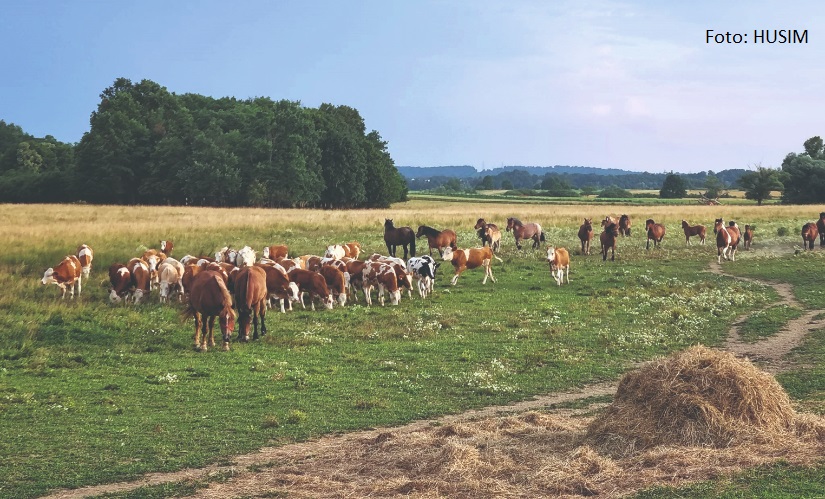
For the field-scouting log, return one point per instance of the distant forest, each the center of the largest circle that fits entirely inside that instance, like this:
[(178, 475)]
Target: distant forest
[(149, 146)]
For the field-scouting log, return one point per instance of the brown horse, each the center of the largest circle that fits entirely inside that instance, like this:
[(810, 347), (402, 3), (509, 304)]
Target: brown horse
[(693, 230), (250, 298), (747, 236), (654, 231), (437, 239), (624, 226), (209, 298), (529, 230), (586, 235), (398, 236), (608, 240), (809, 235), (489, 234), (727, 239), (820, 226)]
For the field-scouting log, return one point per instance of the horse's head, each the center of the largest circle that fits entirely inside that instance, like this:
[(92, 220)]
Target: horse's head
[(388, 223), (480, 224), (648, 223), (420, 231), (607, 221), (822, 215), (588, 222), (718, 225), (227, 322), (612, 228), (685, 225), (624, 220), (511, 222)]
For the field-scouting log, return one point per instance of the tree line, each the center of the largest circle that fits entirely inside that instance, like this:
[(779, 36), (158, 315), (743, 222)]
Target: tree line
[(147, 145)]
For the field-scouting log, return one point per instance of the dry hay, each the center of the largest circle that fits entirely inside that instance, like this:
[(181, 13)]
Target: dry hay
[(699, 397), (695, 416)]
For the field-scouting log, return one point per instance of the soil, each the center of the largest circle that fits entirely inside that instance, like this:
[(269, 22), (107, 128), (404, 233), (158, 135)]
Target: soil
[(315, 468)]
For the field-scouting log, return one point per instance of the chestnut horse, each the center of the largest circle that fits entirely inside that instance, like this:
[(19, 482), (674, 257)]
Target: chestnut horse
[(437, 239), (398, 236), (529, 230), (809, 235), (624, 226), (586, 235), (209, 298), (693, 230), (489, 234), (727, 239), (747, 236), (608, 240), (820, 226), (654, 231), (250, 298)]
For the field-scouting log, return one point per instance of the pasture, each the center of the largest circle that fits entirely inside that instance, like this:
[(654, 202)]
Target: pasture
[(92, 393)]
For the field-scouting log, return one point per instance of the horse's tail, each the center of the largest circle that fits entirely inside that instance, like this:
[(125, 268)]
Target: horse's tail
[(412, 247), (541, 237)]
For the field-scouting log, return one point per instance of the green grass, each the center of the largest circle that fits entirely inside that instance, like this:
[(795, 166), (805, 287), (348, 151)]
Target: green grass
[(767, 322)]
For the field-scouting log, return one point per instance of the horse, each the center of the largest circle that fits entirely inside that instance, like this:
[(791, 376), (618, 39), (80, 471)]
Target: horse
[(525, 231), (250, 298), (820, 226), (209, 298), (608, 240), (809, 235), (624, 226), (747, 236), (489, 234), (693, 230), (437, 238), (398, 236), (654, 231), (727, 239), (586, 235)]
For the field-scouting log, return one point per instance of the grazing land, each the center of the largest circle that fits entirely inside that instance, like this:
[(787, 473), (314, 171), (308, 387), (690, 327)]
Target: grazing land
[(92, 393)]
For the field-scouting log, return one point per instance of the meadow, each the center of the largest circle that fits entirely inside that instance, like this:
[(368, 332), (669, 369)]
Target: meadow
[(92, 393)]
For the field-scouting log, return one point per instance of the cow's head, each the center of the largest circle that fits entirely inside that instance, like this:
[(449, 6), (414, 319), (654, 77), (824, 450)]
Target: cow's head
[(138, 296), (114, 298), (294, 293), (448, 254), (48, 276), (551, 254)]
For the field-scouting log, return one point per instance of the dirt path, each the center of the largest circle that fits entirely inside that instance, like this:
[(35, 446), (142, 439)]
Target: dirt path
[(769, 353)]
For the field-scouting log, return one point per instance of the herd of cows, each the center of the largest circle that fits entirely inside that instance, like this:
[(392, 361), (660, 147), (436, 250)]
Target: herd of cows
[(215, 287)]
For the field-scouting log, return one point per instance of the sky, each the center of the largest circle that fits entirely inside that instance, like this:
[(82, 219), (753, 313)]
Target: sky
[(610, 84)]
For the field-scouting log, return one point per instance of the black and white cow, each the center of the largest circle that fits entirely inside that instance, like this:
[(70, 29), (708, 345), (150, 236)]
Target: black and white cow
[(423, 268)]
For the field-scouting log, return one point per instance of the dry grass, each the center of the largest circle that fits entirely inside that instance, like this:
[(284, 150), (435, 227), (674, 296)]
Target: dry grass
[(539, 455)]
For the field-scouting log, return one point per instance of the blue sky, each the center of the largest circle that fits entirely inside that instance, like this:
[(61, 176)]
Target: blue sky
[(609, 84)]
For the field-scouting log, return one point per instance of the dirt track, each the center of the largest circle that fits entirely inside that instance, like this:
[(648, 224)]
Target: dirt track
[(769, 354)]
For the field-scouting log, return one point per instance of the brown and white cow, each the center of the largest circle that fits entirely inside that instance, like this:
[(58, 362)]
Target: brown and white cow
[(336, 282), (275, 252), (352, 249), (170, 280), (463, 259), (141, 277), (246, 257), (278, 285), (65, 274), (121, 281), (312, 283), (355, 268), (336, 251), (383, 276), (153, 259), (166, 246), (377, 257), (559, 260), (85, 255), (227, 255)]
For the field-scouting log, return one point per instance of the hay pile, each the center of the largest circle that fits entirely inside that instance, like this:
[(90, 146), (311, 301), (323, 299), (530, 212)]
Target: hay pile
[(698, 397)]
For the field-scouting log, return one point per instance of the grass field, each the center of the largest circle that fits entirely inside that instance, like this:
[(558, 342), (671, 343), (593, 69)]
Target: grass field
[(92, 393)]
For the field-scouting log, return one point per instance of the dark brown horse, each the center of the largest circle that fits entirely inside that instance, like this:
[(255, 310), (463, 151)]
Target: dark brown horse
[(654, 231), (529, 230), (489, 234), (209, 298), (809, 235), (624, 226), (586, 235), (398, 236), (250, 298), (608, 240), (437, 239), (693, 230), (747, 236), (820, 226), (727, 239)]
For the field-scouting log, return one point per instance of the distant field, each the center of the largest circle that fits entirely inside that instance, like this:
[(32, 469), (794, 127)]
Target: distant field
[(735, 198), (92, 393)]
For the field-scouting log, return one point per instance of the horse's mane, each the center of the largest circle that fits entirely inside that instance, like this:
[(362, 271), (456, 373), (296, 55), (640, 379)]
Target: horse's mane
[(516, 221)]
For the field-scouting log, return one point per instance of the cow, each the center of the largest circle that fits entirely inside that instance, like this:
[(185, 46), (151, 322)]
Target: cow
[(312, 283), (275, 252), (337, 283), (67, 273), (121, 281), (423, 269), (153, 258), (209, 298), (226, 254), (352, 249), (303, 259), (314, 263), (85, 255), (250, 299), (141, 277), (375, 257), (166, 247), (336, 251), (463, 259), (279, 287), (559, 260), (382, 275), (170, 281), (355, 269), (246, 257)]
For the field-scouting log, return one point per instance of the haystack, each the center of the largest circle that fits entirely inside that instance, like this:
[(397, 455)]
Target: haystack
[(698, 397)]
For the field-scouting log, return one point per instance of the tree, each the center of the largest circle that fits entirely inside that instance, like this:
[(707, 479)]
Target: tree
[(713, 187), (759, 184), (507, 185), (673, 187), (803, 179), (814, 147), (486, 183)]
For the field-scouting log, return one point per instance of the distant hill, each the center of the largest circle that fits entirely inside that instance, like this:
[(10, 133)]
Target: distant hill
[(466, 171)]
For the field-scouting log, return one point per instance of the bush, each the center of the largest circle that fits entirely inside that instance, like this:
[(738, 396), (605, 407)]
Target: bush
[(614, 192), (782, 231)]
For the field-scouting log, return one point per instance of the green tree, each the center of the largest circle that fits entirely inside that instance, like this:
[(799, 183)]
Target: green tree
[(673, 187), (759, 184), (615, 192), (507, 184), (804, 179), (713, 187), (814, 147), (486, 183)]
